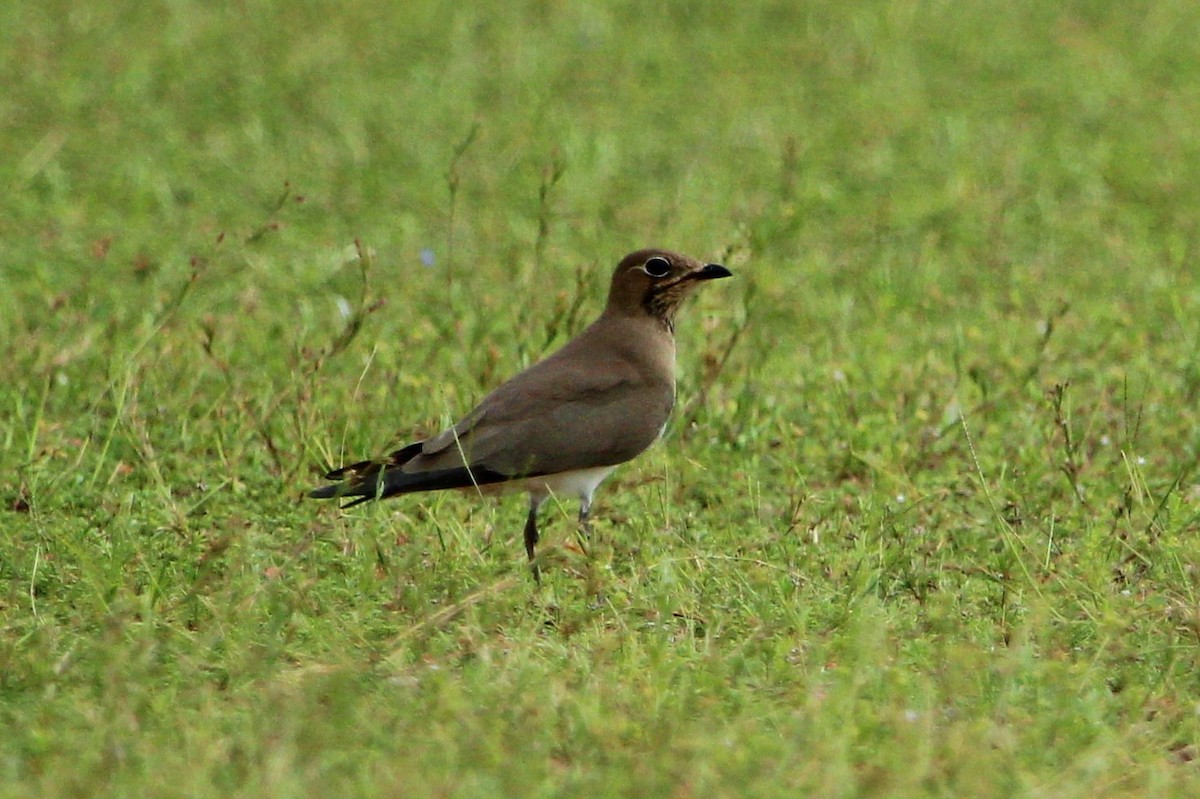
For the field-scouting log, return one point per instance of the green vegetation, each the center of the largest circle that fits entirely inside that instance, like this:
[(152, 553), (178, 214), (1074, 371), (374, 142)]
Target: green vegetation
[(925, 523)]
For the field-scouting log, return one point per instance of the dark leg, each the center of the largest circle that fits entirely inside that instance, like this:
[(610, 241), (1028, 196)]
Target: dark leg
[(531, 538), (584, 531), (585, 515)]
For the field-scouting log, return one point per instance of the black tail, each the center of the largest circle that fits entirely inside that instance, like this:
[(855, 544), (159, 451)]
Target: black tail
[(368, 480)]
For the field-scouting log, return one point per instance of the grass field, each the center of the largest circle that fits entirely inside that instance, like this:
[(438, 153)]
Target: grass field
[(925, 522)]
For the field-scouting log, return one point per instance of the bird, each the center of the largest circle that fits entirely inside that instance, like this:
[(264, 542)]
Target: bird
[(562, 425)]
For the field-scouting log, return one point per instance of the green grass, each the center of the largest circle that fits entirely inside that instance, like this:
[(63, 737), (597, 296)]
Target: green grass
[(924, 525)]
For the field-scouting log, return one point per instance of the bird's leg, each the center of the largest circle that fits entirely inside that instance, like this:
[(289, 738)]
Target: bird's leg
[(584, 531), (531, 537)]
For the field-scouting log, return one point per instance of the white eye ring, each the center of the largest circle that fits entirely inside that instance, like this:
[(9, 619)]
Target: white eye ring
[(657, 266)]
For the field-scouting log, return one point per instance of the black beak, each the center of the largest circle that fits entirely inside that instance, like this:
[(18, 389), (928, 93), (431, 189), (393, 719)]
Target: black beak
[(710, 272)]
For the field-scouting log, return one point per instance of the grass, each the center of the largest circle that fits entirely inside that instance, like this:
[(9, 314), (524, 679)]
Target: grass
[(924, 524)]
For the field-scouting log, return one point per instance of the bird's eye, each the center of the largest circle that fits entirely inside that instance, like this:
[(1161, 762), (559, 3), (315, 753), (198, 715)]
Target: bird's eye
[(657, 266)]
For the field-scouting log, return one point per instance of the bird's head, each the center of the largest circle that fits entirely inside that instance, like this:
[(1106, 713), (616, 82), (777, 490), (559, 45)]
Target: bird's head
[(656, 282)]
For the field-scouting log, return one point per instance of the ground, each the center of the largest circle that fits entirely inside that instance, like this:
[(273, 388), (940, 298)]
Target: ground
[(924, 523)]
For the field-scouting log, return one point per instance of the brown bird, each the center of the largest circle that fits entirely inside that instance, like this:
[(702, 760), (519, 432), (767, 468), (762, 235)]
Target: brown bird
[(562, 425)]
